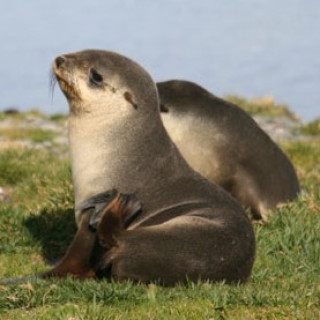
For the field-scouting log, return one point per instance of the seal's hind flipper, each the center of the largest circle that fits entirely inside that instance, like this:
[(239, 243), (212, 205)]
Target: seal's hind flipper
[(127, 207), (102, 198), (116, 217), (134, 208), (98, 202)]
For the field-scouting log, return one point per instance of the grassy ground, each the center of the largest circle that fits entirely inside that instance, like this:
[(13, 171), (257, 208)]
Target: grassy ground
[(312, 128), (37, 224), (35, 135), (262, 106)]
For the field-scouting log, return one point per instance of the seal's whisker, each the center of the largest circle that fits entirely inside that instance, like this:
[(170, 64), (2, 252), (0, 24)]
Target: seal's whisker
[(52, 83)]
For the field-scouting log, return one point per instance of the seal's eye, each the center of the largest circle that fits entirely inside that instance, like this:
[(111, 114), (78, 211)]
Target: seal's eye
[(95, 77)]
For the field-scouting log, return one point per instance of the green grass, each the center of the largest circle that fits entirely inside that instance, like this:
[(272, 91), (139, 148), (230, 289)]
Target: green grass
[(36, 135), (37, 224), (33, 113), (264, 106), (58, 117), (312, 128)]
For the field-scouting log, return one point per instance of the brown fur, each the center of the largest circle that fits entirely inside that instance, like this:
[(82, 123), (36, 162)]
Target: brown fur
[(224, 144), (189, 228), (85, 255)]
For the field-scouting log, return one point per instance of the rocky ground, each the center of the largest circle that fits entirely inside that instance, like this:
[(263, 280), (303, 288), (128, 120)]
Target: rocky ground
[(281, 128), (19, 131), (54, 133)]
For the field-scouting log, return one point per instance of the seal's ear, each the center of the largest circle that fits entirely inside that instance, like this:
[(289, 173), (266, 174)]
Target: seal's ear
[(163, 108), (128, 96)]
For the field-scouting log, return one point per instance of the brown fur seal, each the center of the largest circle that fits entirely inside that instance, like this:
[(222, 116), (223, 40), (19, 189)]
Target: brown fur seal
[(224, 144), (188, 228)]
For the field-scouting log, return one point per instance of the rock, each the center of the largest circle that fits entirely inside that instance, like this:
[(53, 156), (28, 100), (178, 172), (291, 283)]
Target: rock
[(280, 128), (2, 195)]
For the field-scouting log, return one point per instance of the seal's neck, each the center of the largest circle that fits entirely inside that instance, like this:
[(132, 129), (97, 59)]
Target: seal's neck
[(126, 156)]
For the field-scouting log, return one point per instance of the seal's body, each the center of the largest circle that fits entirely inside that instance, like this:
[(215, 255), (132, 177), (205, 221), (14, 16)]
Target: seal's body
[(188, 228), (224, 144)]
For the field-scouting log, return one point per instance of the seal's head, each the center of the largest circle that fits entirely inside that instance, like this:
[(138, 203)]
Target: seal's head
[(96, 81)]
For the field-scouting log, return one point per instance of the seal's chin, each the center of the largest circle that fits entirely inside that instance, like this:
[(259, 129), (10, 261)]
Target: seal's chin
[(67, 88)]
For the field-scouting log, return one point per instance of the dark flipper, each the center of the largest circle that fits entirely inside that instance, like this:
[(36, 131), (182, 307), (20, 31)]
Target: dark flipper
[(102, 198), (98, 203), (115, 217), (124, 207), (77, 260)]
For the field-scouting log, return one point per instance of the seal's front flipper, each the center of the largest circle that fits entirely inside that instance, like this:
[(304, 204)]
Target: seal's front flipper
[(110, 213), (77, 260)]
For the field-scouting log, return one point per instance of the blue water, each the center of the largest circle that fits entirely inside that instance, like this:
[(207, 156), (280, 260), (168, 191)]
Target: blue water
[(247, 47)]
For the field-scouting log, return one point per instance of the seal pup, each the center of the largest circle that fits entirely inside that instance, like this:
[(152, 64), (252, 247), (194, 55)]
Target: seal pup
[(224, 144), (189, 228)]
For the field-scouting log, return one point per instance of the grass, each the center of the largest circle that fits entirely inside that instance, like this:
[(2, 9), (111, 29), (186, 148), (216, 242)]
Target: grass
[(312, 128), (36, 135), (58, 117), (264, 106), (37, 224), (32, 113)]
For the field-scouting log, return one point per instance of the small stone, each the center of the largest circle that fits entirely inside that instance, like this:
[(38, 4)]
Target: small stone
[(2, 194)]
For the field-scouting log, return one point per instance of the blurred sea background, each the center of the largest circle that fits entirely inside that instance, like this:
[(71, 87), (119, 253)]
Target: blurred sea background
[(250, 48)]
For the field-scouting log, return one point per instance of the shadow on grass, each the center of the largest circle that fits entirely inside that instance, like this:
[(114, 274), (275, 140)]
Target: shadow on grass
[(54, 230)]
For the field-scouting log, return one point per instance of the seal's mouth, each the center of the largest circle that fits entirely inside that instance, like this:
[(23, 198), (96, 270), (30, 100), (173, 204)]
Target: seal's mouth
[(67, 88), (65, 83)]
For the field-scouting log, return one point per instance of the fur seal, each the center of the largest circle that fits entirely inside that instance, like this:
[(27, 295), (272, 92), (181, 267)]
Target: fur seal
[(224, 144), (188, 228)]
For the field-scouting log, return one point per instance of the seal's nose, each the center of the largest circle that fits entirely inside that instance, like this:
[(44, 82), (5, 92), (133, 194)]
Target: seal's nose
[(59, 61)]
